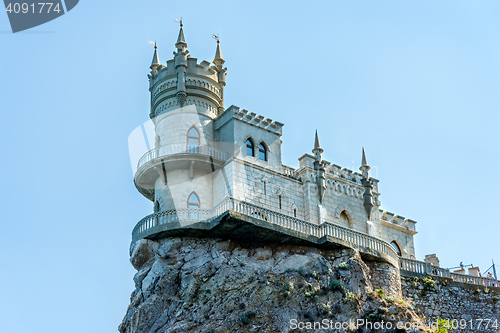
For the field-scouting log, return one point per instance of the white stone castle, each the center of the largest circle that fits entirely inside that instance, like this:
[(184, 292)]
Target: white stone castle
[(207, 157)]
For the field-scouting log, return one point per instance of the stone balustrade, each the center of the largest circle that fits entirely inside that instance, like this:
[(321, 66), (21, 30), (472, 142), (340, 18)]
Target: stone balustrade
[(363, 242), (417, 268), (289, 171), (181, 148)]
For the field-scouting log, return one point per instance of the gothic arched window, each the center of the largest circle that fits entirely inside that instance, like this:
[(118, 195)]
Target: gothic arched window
[(396, 247), (193, 201), (193, 136), (262, 152), (250, 150), (193, 140)]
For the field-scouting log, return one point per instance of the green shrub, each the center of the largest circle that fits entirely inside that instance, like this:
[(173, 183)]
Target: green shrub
[(380, 292), (342, 265), (288, 286), (429, 282), (496, 298), (442, 326), (245, 317), (348, 296), (335, 285)]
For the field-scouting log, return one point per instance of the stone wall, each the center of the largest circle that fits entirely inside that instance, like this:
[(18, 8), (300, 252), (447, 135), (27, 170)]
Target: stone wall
[(443, 298), (385, 276)]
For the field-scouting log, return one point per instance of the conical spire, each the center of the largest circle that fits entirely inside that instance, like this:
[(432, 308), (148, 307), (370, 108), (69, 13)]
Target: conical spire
[(156, 59), (180, 39), (363, 158), (365, 168), (218, 54), (316, 141)]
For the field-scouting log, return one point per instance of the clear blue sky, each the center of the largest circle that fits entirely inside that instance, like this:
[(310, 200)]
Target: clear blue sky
[(415, 82)]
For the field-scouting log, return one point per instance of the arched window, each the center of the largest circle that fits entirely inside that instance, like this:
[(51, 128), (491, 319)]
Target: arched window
[(193, 140), (344, 219), (193, 201), (396, 247), (262, 152), (250, 151), (157, 206), (193, 136)]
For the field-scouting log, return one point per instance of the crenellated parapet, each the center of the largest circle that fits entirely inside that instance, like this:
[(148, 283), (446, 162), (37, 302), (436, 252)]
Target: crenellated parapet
[(337, 178), (391, 220), (251, 118)]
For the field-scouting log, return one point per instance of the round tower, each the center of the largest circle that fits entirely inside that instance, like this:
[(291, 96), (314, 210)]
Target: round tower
[(186, 97)]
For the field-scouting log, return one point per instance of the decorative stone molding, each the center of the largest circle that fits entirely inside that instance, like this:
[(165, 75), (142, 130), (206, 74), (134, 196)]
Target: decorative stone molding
[(165, 85)]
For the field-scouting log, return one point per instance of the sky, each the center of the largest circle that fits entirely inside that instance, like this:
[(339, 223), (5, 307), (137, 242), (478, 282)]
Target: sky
[(415, 82)]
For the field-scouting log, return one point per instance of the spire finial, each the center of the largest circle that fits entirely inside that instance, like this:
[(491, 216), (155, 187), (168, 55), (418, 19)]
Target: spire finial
[(365, 168), (180, 38), (156, 59), (218, 60), (316, 141), (363, 158)]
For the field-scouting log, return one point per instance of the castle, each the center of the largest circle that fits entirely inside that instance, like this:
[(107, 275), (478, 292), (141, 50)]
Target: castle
[(237, 236), (212, 165), (205, 153)]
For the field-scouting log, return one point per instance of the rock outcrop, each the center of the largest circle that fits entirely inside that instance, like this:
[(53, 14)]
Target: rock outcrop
[(215, 285)]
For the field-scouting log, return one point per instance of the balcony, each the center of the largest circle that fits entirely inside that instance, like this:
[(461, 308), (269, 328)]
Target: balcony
[(241, 220), (416, 268), (172, 157)]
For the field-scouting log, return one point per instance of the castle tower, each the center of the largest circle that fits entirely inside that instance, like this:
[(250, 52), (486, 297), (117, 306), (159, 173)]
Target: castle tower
[(186, 97)]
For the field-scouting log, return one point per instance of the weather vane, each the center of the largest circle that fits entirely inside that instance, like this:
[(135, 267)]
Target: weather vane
[(178, 21), (216, 37), (152, 43)]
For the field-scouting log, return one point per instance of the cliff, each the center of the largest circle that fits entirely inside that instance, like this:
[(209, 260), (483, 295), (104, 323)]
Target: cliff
[(215, 285)]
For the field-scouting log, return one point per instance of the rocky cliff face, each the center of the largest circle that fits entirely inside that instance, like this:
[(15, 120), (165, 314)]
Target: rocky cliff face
[(214, 285)]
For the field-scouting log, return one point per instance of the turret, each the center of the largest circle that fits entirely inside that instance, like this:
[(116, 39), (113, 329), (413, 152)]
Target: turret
[(368, 185), (181, 65), (320, 168), (155, 63), (317, 152), (221, 73)]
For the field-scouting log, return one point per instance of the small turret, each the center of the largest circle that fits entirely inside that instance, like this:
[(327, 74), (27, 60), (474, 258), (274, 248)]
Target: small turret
[(155, 63), (368, 185), (320, 168), (221, 72), (181, 65), (365, 168), (317, 152)]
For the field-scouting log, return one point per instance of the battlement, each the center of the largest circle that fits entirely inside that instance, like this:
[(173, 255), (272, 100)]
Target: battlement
[(250, 118), (202, 74), (397, 220), (336, 171)]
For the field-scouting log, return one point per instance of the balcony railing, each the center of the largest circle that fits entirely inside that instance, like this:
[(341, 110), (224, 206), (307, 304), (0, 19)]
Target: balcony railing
[(181, 148), (481, 281), (191, 215), (289, 171), (424, 268)]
